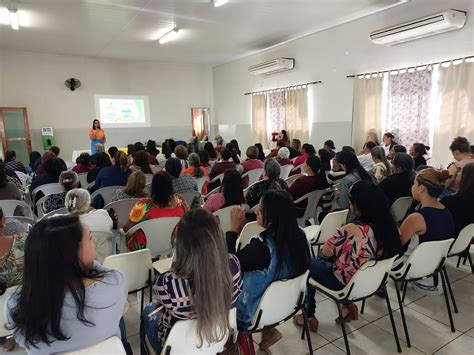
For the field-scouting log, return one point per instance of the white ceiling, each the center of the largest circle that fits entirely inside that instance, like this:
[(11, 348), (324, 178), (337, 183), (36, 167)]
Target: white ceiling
[(127, 28)]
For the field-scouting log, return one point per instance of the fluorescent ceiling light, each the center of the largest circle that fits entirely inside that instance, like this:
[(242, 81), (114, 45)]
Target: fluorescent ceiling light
[(218, 3), (169, 36), (14, 19)]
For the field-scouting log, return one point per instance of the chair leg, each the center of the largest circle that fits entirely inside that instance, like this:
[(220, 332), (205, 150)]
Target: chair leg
[(402, 313), (443, 270), (363, 307), (446, 298), (312, 252), (459, 262), (470, 260), (404, 291), (343, 326), (142, 300), (392, 320), (306, 330)]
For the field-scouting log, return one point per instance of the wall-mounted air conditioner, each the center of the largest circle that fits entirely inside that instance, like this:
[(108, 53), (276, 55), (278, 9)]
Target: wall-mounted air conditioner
[(445, 21), (272, 66)]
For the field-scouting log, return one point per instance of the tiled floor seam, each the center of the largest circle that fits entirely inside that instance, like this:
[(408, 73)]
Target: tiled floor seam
[(401, 338), (447, 343)]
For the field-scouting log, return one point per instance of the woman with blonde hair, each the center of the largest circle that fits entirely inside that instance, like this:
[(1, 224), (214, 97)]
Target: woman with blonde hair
[(135, 187), (192, 289)]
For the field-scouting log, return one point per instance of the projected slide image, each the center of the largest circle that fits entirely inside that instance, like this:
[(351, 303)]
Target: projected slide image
[(122, 111)]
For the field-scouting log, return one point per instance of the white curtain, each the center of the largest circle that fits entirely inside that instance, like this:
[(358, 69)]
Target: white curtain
[(276, 111), (455, 114), (259, 119), (366, 109), (297, 114), (408, 107)]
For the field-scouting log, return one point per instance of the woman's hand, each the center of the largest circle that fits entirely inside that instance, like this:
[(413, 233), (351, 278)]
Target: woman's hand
[(237, 220)]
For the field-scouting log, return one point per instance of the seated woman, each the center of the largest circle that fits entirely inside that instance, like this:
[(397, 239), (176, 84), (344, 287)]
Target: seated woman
[(460, 149), (372, 235), (135, 187), (399, 184), (417, 152), (8, 189), (52, 170), (60, 318), (382, 167), (181, 182), (396, 149), (140, 162), (432, 221), (163, 203), (230, 193), (204, 158), (196, 171), (84, 164), (325, 157), (191, 289), (271, 181), (221, 166), (114, 175), (279, 252), (68, 180), (11, 164), (460, 204), (35, 159), (252, 162), (209, 148), (102, 161), (283, 156), (181, 153)]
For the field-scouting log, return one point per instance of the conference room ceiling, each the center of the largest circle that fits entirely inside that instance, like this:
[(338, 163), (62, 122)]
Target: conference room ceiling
[(127, 29)]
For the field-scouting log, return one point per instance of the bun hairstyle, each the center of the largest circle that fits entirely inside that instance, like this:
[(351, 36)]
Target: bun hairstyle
[(121, 159), (434, 180), (420, 149), (461, 144)]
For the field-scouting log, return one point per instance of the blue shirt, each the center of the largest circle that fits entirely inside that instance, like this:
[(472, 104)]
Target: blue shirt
[(111, 176)]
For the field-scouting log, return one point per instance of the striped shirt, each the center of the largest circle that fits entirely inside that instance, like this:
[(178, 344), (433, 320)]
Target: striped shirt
[(173, 294)]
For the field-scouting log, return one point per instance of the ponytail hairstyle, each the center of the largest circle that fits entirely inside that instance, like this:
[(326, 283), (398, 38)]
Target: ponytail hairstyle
[(379, 153), (272, 172), (420, 149), (121, 159), (195, 162), (434, 180)]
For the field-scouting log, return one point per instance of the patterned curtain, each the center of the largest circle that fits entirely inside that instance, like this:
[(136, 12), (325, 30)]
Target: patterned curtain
[(276, 111), (408, 107)]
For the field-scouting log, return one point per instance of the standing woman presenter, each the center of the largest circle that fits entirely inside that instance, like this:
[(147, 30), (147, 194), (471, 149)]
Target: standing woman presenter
[(96, 135)]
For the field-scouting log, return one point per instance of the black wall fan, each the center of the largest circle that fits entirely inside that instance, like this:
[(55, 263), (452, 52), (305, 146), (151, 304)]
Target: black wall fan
[(72, 84)]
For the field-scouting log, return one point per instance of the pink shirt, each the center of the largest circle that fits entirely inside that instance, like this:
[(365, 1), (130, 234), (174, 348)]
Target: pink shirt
[(298, 161), (215, 202)]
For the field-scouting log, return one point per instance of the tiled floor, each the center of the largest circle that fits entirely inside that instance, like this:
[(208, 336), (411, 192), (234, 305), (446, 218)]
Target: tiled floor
[(427, 320)]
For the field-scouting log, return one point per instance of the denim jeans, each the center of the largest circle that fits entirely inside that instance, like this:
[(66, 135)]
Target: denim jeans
[(321, 271), (149, 327)]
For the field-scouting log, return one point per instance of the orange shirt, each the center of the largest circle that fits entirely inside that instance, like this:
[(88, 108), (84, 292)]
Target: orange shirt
[(99, 133), (190, 171)]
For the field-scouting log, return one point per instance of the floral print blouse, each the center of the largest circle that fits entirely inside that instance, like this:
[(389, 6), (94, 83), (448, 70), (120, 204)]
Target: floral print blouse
[(11, 263)]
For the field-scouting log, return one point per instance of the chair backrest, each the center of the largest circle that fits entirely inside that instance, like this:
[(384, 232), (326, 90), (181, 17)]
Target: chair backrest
[(224, 216), (201, 181), (400, 208), (427, 257), (107, 193), (24, 179), (250, 229), (9, 207), (104, 244), (183, 338), (254, 175), (148, 178), (27, 221), (91, 186), (312, 203), (40, 211), (48, 189), (122, 208), (83, 180), (135, 265), (298, 167), (190, 196), (158, 234), (285, 171), (213, 191), (3, 298), (219, 177), (463, 240), (112, 345), (292, 179), (369, 277), (279, 301), (330, 224), (62, 210)]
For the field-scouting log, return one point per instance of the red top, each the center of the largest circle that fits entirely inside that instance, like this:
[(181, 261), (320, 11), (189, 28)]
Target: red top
[(305, 185), (83, 168), (248, 165)]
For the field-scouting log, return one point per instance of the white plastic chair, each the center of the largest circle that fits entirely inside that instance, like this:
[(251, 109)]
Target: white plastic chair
[(110, 346), (224, 216), (400, 208), (137, 268), (253, 175), (462, 244), (312, 199), (3, 298), (62, 210), (83, 180), (209, 193), (367, 280), (219, 178), (298, 167), (201, 181), (27, 221), (190, 196), (122, 208), (182, 338), (426, 260), (158, 234), (107, 193), (24, 179), (285, 171), (250, 229), (292, 179), (148, 178), (9, 207), (104, 244), (48, 189), (163, 265), (280, 302)]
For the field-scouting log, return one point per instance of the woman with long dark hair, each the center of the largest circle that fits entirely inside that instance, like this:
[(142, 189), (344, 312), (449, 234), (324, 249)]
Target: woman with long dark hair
[(230, 193), (141, 162), (280, 252), (209, 148), (66, 300), (96, 135), (261, 153), (372, 235), (192, 289)]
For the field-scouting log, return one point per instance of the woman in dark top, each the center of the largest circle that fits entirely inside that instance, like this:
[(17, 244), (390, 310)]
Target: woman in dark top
[(151, 148), (314, 180), (52, 170), (115, 175), (326, 158), (34, 156), (233, 152), (11, 164), (399, 184), (219, 168), (102, 160), (330, 148), (271, 181), (209, 148), (261, 154), (417, 151), (281, 251), (236, 146), (461, 204), (141, 162)]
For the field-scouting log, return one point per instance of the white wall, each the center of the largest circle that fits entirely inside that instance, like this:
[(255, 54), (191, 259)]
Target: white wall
[(36, 81), (329, 56)]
